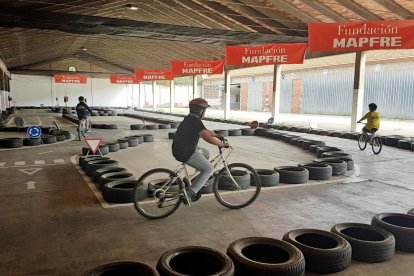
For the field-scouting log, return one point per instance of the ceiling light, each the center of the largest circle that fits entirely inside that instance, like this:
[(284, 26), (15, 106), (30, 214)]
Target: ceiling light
[(132, 7)]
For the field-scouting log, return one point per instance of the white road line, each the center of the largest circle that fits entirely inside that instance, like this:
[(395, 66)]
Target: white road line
[(59, 161), (20, 163), (2, 164), (39, 162), (45, 152)]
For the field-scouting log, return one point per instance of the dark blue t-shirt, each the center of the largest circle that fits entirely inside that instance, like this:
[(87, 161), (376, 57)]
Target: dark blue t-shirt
[(186, 137)]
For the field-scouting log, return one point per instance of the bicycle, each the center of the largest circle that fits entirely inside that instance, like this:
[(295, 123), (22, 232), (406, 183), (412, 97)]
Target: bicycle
[(83, 129), (372, 139), (159, 192)]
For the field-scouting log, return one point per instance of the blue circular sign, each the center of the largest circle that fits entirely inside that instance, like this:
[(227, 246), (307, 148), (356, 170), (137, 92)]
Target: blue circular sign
[(34, 132)]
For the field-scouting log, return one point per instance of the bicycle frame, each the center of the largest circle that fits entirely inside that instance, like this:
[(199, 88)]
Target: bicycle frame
[(219, 158)]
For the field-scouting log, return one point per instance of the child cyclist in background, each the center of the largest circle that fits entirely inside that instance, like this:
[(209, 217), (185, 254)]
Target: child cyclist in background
[(373, 119)]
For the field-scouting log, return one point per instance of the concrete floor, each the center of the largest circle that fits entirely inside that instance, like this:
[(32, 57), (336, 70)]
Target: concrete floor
[(60, 227)]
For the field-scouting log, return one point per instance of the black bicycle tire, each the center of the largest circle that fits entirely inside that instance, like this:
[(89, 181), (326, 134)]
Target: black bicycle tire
[(136, 202), (380, 145), (359, 145), (253, 173)]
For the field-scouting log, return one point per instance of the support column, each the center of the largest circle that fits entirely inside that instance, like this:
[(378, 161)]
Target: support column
[(172, 96), (154, 104), (226, 94), (202, 91), (277, 73), (195, 94), (358, 92), (139, 95)]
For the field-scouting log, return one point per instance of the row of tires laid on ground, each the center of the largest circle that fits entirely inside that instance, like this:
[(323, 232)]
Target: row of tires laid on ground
[(115, 183), (74, 119), (95, 111), (330, 161), (299, 250), (399, 141), (53, 137), (160, 121), (164, 125)]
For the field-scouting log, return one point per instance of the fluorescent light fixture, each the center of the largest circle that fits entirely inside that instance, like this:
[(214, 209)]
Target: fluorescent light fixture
[(132, 7)]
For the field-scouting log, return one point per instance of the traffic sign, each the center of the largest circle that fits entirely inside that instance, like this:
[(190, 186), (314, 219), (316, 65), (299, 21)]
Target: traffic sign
[(34, 132), (93, 143)]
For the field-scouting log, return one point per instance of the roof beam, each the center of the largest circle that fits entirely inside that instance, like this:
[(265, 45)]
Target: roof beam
[(324, 10), (357, 9), (91, 58), (95, 25), (285, 6), (396, 9)]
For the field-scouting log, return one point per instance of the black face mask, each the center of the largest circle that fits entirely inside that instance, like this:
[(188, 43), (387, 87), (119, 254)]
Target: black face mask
[(199, 113)]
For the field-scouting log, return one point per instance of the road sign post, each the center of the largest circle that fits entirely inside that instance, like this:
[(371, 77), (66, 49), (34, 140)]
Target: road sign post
[(93, 145), (34, 132)]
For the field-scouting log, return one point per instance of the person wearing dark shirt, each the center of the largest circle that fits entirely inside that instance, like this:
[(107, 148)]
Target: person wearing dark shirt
[(84, 111), (185, 146)]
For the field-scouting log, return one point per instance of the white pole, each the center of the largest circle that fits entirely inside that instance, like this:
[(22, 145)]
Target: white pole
[(358, 92), (277, 72), (172, 96), (154, 104), (226, 94)]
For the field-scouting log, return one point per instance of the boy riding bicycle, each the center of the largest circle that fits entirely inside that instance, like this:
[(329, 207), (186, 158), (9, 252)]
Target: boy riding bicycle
[(373, 120), (84, 111), (185, 149)]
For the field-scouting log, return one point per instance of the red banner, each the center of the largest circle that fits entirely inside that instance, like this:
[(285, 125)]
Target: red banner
[(123, 79), (196, 67), (77, 79), (266, 54), (154, 74), (363, 35)]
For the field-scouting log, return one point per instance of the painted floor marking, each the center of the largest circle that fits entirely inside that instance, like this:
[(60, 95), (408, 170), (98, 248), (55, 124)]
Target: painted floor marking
[(46, 152), (59, 161), (2, 164), (39, 162), (20, 163), (30, 171)]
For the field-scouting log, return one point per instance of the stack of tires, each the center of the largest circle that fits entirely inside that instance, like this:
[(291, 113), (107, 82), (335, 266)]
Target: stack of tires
[(115, 183)]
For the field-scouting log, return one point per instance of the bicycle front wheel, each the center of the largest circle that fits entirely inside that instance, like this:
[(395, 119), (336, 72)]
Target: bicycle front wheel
[(362, 141), (376, 145), (237, 185), (157, 193)]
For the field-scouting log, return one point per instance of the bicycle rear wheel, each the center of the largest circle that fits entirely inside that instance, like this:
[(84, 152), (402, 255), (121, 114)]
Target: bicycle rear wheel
[(237, 185), (376, 145), (362, 141), (155, 194)]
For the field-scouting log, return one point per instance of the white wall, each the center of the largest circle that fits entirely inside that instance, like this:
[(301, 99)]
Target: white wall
[(36, 90)]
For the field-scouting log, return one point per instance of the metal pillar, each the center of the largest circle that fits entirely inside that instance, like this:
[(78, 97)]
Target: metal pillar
[(358, 92), (139, 95), (277, 73), (195, 94), (154, 104), (226, 94), (172, 96)]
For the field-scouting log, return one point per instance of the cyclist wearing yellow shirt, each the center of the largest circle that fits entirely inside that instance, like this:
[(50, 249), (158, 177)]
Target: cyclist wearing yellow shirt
[(373, 119)]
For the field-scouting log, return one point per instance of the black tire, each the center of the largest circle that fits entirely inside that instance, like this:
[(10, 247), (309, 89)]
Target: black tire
[(114, 176), (103, 148), (119, 191), (336, 154), (137, 127), (349, 162), (411, 212), (113, 147), (171, 135), (339, 167), (294, 141), (260, 131), (97, 174), (352, 135), (321, 150), (318, 171), (247, 131), (83, 160), (392, 141), (194, 260), (66, 133), (32, 141), (268, 178), (152, 127), (235, 132), (123, 143), (401, 226), (132, 141), (123, 268), (404, 144), (147, 203), (175, 124), (307, 144), (93, 165), (292, 175), (324, 252), (49, 139), (369, 243), (224, 132), (164, 126), (261, 256), (60, 137), (300, 142), (243, 194), (148, 138), (11, 142)]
